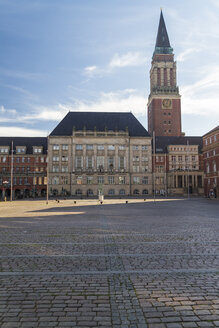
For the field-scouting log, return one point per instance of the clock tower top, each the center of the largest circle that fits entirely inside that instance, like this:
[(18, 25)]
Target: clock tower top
[(164, 105)]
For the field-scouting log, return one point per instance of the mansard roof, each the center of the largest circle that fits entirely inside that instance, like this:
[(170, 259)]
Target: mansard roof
[(100, 121), (161, 143), (28, 142), (162, 42)]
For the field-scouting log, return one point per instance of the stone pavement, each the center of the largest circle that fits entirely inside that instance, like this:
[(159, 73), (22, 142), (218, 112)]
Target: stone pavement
[(144, 264)]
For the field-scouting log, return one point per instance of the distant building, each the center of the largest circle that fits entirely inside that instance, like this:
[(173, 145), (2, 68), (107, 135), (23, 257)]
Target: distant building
[(100, 153), (211, 162), (29, 167)]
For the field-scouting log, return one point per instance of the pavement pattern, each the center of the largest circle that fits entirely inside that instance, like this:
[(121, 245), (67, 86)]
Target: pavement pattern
[(143, 264)]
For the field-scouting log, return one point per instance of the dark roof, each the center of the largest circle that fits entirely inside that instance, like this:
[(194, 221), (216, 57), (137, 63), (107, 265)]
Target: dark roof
[(100, 121), (213, 130), (161, 143), (162, 42), (29, 142)]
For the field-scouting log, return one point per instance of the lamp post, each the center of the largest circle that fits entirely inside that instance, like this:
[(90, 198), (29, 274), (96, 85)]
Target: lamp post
[(4, 188)]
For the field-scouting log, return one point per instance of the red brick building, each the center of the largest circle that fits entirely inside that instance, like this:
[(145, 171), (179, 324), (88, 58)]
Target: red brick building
[(211, 162), (164, 102), (27, 167)]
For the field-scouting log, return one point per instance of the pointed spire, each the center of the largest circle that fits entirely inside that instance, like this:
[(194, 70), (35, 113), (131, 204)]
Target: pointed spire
[(162, 42)]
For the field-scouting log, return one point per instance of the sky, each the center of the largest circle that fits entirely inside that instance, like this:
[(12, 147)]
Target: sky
[(58, 56)]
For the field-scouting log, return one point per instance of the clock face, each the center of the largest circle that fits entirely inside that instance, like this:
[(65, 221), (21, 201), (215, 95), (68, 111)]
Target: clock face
[(167, 103)]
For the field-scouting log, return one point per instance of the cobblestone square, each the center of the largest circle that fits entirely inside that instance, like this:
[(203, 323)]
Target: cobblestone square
[(141, 264)]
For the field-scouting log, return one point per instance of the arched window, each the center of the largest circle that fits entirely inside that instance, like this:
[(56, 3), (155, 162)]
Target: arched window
[(111, 192), (78, 192), (122, 192), (136, 192), (145, 192), (90, 192)]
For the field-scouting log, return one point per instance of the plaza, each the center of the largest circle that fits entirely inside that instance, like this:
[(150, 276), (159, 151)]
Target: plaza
[(124, 263)]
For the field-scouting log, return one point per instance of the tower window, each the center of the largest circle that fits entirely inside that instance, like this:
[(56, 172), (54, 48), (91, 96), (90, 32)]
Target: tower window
[(169, 131), (169, 122), (165, 122), (169, 113), (165, 113)]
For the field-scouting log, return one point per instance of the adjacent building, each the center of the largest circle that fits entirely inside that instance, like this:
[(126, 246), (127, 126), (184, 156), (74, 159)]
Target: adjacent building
[(178, 166), (24, 160), (97, 153), (211, 162)]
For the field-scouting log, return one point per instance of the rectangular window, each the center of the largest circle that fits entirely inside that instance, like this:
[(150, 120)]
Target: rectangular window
[(55, 168), (100, 147), (55, 158), (64, 158), (136, 180), (64, 147), (144, 159), (174, 159), (79, 147), (122, 180), (135, 147), (79, 180), (145, 180), (180, 158), (100, 163), (89, 180), (55, 147), (145, 168), (4, 150), (111, 147), (4, 159), (111, 162), (64, 168), (79, 162), (20, 150), (135, 158), (122, 163), (23, 159), (40, 180), (100, 179), (135, 168), (89, 162), (111, 179), (144, 147), (42, 159), (121, 147), (193, 158), (64, 180), (89, 147)]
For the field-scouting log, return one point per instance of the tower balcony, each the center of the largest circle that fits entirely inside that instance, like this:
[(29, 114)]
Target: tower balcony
[(165, 90)]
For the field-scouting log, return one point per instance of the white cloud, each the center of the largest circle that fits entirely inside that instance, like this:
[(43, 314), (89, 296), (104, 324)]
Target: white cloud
[(121, 101), (117, 61), (202, 98), (128, 59), (14, 131), (185, 54)]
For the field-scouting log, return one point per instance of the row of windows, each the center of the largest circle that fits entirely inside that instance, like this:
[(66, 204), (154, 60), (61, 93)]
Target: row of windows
[(23, 181), (100, 180), (184, 158), (21, 150), (23, 169), (187, 148), (208, 154), (99, 147), (111, 192), (211, 139), (41, 159)]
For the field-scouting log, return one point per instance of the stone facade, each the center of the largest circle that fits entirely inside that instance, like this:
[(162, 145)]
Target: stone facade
[(91, 163)]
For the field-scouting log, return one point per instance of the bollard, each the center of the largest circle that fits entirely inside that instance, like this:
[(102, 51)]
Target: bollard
[(75, 202), (126, 202)]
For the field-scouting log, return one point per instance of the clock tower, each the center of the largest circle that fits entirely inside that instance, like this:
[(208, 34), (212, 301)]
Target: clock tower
[(164, 102)]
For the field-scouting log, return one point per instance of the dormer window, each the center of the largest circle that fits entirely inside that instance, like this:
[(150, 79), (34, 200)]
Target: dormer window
[(37, 150), (4, 150), (20, 150)]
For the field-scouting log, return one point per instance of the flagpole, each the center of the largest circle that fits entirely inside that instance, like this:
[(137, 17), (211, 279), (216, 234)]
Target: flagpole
[(12, 160)]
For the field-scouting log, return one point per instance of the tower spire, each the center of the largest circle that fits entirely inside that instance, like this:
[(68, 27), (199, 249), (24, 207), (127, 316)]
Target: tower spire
[(162, 42)]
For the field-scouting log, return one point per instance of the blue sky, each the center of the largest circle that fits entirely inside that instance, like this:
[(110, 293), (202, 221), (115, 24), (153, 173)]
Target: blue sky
[(61, 55)]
